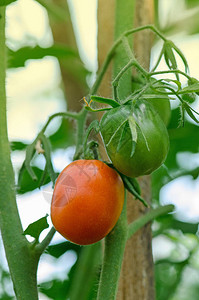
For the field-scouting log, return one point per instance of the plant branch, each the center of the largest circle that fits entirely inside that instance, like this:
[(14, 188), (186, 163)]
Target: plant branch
[(175, 71), (39, 248), (81, 122), (60, 114), (113, 255), (20, 261), (148, 217), (112, 51)]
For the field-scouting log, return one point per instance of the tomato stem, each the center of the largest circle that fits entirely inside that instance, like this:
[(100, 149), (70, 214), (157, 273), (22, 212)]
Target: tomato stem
[(40, 247), (21, 262), (170, 71), (148, 217), (113, 255)]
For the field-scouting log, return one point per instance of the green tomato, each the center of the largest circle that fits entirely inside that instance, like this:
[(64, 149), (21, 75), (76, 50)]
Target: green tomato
[(162, 106), (135, 137)]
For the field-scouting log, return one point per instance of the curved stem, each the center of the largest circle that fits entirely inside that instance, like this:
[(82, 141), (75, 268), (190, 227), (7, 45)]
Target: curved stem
[(170, 71), (39, 248), (148, 217), (60, 114), (150, 27)]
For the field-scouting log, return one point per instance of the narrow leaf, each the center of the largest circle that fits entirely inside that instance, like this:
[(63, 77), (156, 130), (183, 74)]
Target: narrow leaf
[(189, 112), (170, 57), (107, 101), (96, 110), (30, 151), (130, 187), (194, 88), (181, 56), (133, 128), (47, 154)]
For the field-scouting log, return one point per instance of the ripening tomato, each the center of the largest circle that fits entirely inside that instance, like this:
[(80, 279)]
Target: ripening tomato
[(87, 201), (135, 138)]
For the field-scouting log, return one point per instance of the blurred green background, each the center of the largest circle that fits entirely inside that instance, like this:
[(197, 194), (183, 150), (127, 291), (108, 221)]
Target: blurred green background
[(36, 64)]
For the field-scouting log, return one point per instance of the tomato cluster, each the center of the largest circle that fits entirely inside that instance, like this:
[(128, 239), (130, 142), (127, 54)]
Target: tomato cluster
[(89, 195)]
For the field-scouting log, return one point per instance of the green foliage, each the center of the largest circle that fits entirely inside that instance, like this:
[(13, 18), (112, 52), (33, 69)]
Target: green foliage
[(64, 137), (81, 282), (17, 145), (168, 272), (26, 184), (168, 275), (6, 2), (18, 58), (36, 228), (58, 250)]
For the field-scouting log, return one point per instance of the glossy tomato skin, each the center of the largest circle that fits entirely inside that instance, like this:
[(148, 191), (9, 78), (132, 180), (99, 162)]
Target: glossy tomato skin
[(152, 144), (87, 201), (162, 106)]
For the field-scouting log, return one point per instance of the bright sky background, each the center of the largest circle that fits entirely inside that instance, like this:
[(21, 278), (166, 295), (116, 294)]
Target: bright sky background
[(36, 88)]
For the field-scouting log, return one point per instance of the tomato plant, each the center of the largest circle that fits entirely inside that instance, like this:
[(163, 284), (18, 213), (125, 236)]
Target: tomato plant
[(135, 138), (87, 201)]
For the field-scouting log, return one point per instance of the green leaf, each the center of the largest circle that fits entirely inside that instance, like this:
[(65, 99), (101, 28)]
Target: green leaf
[(155, 96), (170, 57), (94, 125), (17, 145), (58, 250), (35, 229), (189, 97), (124, 124), (55, 289), (133, 128), (25, 182), (96, 110), (194, 88), (30, 151), (107, 101), (132, 188), (64, 136), (6, 2), (177, 82), (181, 56), (18, 58), (189, 111), (47, 154), (168, 276)]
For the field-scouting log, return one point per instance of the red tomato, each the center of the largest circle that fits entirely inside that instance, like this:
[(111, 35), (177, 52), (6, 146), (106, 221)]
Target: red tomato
[(87, 201)]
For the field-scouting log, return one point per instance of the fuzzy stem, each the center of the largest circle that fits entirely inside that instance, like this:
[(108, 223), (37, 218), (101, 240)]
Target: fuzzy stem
[(150, 216), (22, 263), (170, 71), (113, 255), (39, 248)]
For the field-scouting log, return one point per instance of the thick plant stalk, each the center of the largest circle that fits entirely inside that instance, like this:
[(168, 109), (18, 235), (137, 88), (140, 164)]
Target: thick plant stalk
[(136, 280), (21, 262), (113, 255)]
